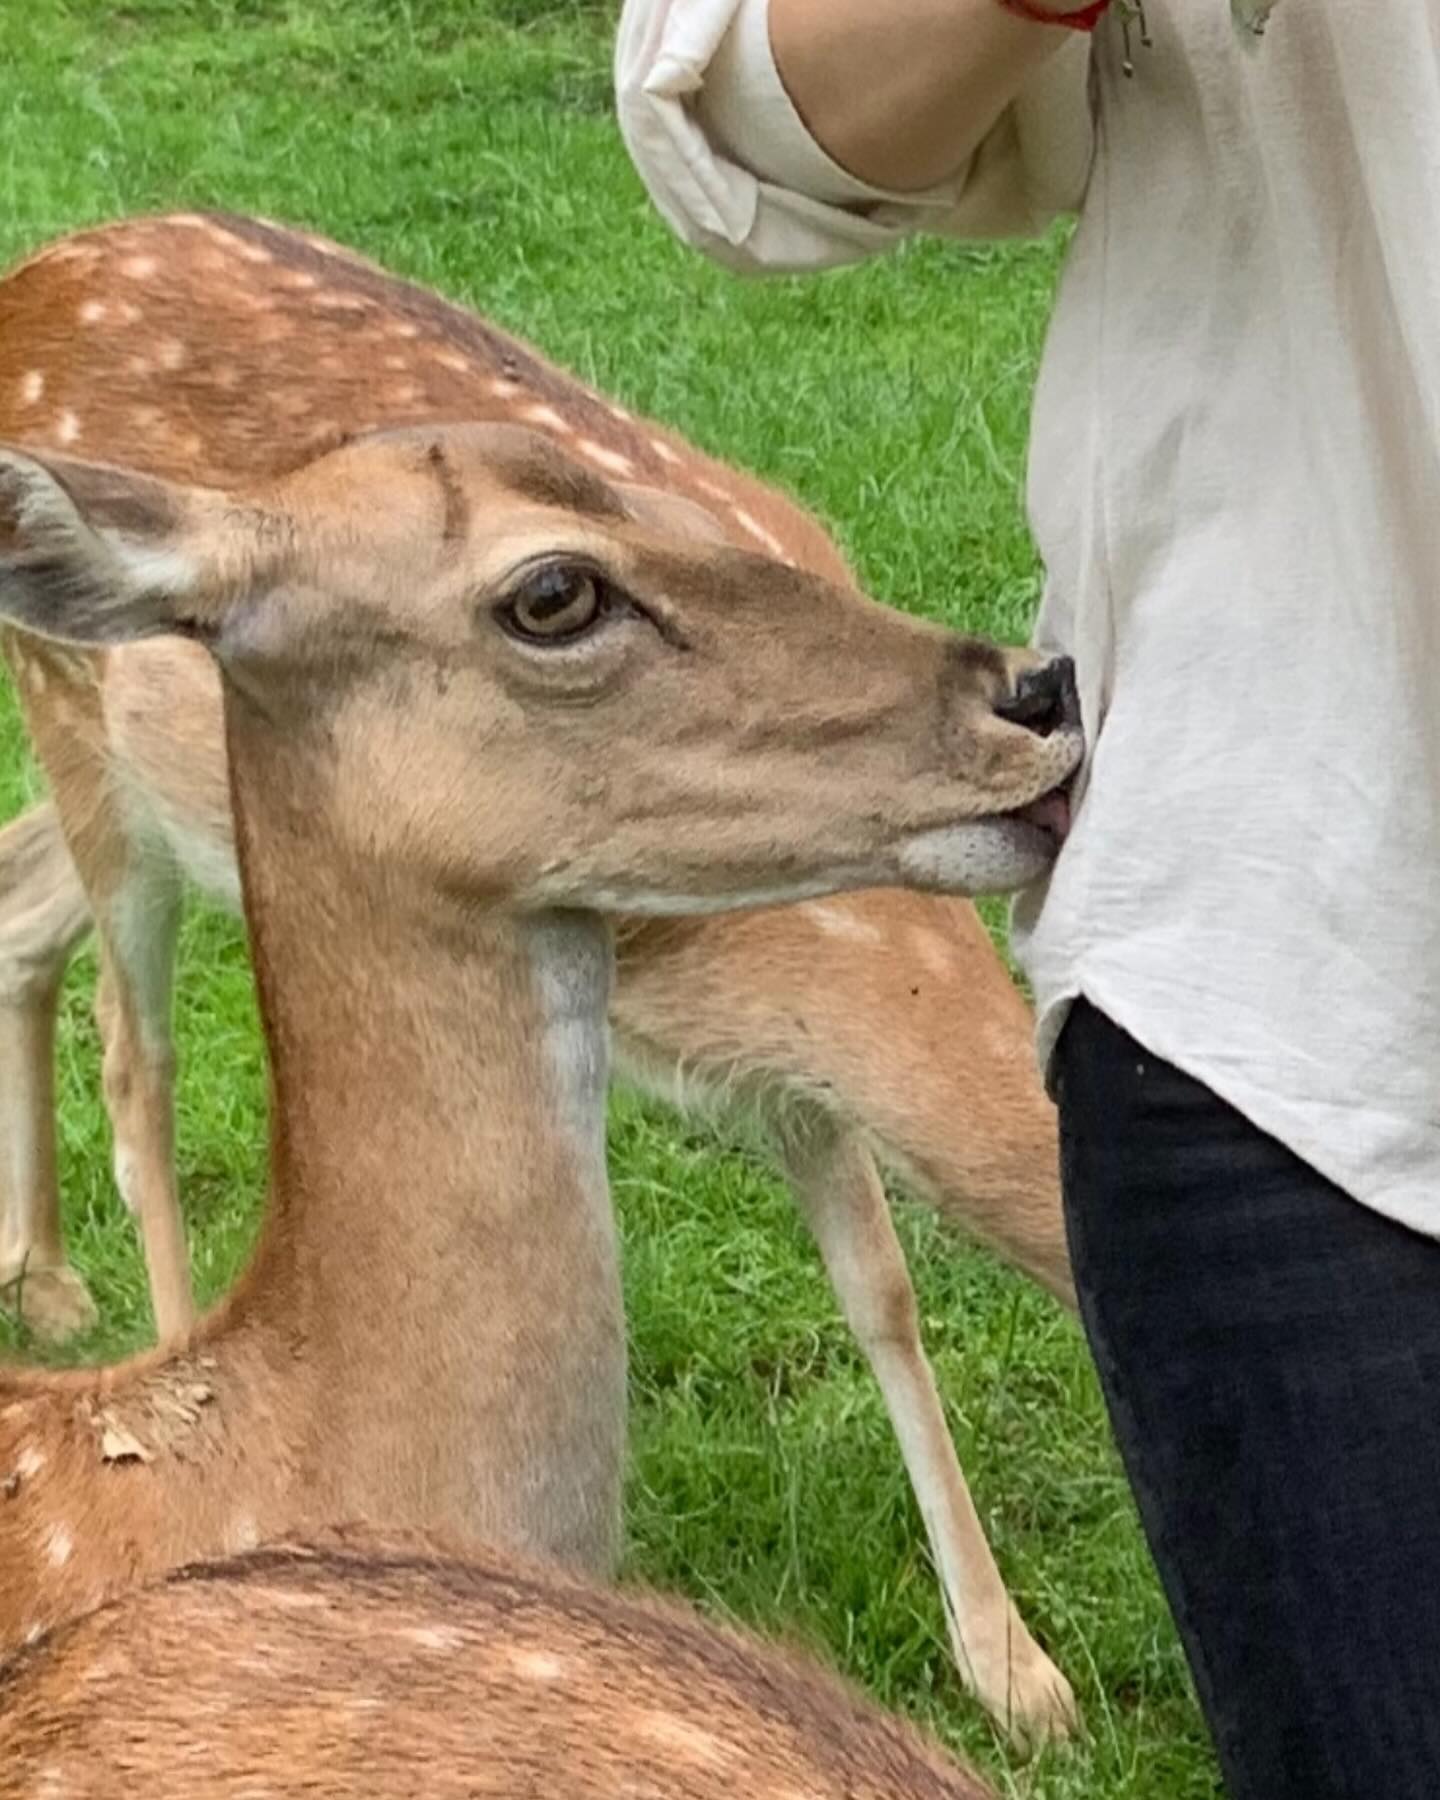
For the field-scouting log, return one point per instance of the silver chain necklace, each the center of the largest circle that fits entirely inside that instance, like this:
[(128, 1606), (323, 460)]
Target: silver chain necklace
[(1132, 19), (1249, 18)]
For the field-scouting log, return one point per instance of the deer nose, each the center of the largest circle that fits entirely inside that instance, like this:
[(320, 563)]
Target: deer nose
[(1045, 699)]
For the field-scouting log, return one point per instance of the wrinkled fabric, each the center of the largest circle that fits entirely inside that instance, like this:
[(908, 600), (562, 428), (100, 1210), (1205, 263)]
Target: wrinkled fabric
[(1234, 484), (694, 78)]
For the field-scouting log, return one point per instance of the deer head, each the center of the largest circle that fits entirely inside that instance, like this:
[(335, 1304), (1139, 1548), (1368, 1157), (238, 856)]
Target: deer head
[(473, 654)]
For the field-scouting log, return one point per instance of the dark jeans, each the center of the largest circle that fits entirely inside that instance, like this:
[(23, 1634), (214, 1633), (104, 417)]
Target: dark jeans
[(1270, 1354)]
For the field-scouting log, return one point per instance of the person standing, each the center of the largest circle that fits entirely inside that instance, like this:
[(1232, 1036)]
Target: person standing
[(1234, 483)]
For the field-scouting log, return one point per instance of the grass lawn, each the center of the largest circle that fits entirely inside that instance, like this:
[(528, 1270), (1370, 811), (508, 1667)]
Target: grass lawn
[(468, 143)]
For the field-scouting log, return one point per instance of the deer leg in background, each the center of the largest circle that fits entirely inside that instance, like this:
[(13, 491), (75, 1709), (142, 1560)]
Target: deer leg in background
[(43, 915), (132, 883), (837, 1187), (138, 925)]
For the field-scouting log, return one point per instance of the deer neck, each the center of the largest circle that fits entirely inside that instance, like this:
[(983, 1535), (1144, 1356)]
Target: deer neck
[(440, 1246)]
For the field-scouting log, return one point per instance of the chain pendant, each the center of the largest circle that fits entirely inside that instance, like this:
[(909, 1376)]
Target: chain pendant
[(1249, 17), (1132, 19)]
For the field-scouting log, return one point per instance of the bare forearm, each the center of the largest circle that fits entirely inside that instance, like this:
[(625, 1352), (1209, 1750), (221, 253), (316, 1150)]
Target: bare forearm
[(902, 93)]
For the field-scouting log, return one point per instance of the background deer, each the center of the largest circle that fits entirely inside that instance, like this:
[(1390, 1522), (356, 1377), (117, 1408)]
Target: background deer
[(221, 350), (363, 1666), (431, 640)]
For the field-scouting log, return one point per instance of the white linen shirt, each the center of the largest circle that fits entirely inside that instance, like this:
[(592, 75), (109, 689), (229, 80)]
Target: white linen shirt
[(1235, 486)]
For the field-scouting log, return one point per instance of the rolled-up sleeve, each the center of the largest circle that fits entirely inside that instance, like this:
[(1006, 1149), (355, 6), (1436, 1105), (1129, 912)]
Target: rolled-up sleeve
[(733, 169)]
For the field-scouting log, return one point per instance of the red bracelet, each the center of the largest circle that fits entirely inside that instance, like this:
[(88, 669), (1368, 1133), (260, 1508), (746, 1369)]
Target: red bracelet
[(1086, 19)]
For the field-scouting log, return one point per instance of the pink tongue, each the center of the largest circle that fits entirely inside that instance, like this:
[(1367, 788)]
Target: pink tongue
[(1051, 812)]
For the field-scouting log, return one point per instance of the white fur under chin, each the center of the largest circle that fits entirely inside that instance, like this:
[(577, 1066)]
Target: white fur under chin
[(987, 856), (992, 856), (573, 962)]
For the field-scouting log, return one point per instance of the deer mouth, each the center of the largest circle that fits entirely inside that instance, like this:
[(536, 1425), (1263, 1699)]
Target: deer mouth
[(1050, 813)]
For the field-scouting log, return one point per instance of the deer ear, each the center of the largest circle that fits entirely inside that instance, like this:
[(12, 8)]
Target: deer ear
[(96, 555)]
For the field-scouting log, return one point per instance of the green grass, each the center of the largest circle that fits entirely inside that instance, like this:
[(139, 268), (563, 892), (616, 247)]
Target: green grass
[(469, 144)]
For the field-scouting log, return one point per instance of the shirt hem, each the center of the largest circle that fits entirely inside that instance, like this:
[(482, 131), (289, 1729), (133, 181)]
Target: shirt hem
[(1409, 1204)]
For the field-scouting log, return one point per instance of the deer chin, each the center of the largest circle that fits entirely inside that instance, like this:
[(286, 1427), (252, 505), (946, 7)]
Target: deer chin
[(997, 855)]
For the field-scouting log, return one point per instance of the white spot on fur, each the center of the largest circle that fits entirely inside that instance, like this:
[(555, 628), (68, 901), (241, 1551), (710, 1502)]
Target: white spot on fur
[(67, 427), (402, 328), (619, 412), (297, 279), (139, 268), (402, 393), (171, 353), (748, 522), (51, 1783), (35, 676), (59, 1545), (665, 452), (139, 365), (111, 1665), (505, 389), (29, 1462), (32, 386), (338, 300), (547, 416), (34, 1631), (92, 312), (292, 1599), (607, 459), (931, 949), (537, 1665), (244, 1533), (680, 1738), (433, 1637), (839, 922), (451, 359), (714, 489)]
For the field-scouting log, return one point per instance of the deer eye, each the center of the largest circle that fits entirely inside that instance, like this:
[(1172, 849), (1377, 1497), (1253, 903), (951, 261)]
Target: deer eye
[(556, 604)]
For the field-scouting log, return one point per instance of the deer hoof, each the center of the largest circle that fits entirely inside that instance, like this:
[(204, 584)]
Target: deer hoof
[(53, 1302)]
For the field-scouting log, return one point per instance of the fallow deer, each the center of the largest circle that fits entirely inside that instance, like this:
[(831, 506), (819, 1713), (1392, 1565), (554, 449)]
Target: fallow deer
[(477, 699), (385, 1668), (221, 350)]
